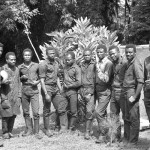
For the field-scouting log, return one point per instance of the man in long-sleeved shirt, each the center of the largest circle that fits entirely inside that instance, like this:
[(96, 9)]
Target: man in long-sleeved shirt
[(132, 86), (72, 81), (103, 83), (88, 88), (119, 66)]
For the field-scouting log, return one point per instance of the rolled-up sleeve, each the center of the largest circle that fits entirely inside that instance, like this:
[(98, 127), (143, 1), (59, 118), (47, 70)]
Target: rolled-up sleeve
[(42, 70), (139, 71)]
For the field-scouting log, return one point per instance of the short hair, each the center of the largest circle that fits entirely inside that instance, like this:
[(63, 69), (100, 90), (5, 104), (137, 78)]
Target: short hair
[(131, 46), (1, 45), (102, 46), (9, 54), (27, 50), (113, 47), (71, 53)]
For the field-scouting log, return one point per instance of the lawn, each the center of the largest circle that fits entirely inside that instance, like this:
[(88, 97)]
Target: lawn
[(68, 141)]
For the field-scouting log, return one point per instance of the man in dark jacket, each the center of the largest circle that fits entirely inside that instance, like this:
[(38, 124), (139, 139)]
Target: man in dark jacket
[(10, 95)]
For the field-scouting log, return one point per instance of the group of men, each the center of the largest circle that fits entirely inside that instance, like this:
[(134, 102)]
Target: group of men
[(108, 78)]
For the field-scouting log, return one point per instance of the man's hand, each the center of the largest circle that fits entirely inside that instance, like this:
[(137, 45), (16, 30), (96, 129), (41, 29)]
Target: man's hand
[(47, 97), (132, 99), (6, 82), (24, 77), (88, 97), (34, 83), (65, 86)]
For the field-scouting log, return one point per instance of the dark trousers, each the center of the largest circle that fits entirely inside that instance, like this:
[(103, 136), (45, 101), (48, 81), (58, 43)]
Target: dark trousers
[(147, 106), (115, 108), (101, 110), (8, 124), (34, 100), (131, 116), (89, 104), (60, 104)]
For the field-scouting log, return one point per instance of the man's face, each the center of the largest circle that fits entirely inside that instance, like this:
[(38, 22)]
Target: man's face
[(69, 60), (27, 56), (1, 51), (51, 54), (11, 60), (130, 54), (101, 53), (114, 55), (87, 56)]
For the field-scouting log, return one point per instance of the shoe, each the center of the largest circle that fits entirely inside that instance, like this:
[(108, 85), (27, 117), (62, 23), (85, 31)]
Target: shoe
[(46, 127), (6, 136), (87, 135), (101, 139), (29, 127), (11, 135), (123, 143), (38, 136)]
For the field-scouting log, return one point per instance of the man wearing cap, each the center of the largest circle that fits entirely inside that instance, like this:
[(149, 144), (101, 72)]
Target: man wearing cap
[(103, 84), (132, 86), (118, 76), (51, 91)]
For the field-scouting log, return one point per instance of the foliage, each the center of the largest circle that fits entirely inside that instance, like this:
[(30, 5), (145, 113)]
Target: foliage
[(139, 29), (83, 36)]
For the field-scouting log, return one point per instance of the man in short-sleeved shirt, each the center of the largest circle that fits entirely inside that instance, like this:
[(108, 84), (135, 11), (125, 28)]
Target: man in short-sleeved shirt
[(29, 71), (88, 88), (132, 86), (51, 89), (72, 82), (103, 83)]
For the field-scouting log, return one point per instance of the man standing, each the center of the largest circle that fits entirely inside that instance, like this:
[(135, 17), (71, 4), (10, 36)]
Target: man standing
[(103, 83), (87, 89), (51, 89), (118, 76), (29, 76), (1, 51), (132, 86), (147, 86), (72, 82), (10, 95)]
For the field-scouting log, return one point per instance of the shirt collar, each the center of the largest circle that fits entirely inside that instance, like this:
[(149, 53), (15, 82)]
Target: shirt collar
[(49, 62), (103, 60), (25, 66)]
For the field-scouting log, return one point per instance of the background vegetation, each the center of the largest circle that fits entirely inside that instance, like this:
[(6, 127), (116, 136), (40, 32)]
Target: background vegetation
[(131, 19)]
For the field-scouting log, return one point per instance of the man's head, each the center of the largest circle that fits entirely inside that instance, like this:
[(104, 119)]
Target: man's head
[(70, 58), (27, 55), (130, 51), (101, 51), (87, 54), (10, 58), (50, 52), (114, 53), (1, 49)]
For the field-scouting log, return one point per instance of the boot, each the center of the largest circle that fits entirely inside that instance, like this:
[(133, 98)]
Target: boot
[(87, 133), (63, 122), (72, 123), (29, 127), (11, 125), (46, 126), (36, 129)]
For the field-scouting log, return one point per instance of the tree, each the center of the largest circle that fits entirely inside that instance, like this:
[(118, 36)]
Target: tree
[(139, 28)]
